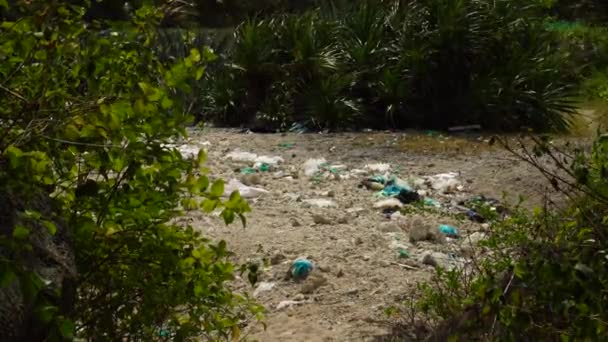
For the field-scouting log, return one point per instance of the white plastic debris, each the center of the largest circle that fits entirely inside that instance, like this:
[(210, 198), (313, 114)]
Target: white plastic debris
[(263, 287), (288, 303), (244, 190), (378, 167), (269, 160), (312, 166), (243, 157), (188, 151), (320, 203), (390, 203), (444, 182)]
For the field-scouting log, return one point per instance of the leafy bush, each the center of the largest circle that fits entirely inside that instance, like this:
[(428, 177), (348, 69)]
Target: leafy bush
[(85, 118), (424, 63), (544, 275)]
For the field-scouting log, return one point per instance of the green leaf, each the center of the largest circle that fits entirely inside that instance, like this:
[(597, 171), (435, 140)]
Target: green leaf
[(166, 103), (217, 188), (4, 4), (195, 55), (66, 328), (52, 228), (14, 154), (6, 277), (20, 233)]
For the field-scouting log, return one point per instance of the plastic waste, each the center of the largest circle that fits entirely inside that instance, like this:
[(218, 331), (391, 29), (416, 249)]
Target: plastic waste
[(403, 254), (407, 196), (390, 203), (312, 166), (289, 303), (268, 160), (263, 287), (243, 157), (444, 182), (448, 230), (244, 190), (248, 170), (301, 268), (298, 127), (262, 167), (188, 151), (432, 202), (475, 217), (320, 203), (378, 167)]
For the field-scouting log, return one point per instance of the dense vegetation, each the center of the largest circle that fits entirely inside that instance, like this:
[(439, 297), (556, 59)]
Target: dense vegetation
[(423, 63)]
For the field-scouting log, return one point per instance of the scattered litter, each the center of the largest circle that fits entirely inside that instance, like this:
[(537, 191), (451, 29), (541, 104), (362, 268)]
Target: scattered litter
[(248, 170), (273, 161), (403, 254), (289, 303), (312, 166), (448, 230), (188, 151), (263, 287), (432, 202), (408, 196), (378, 167), (301, 268), (390, 203), (320, 203), (475, 217), (444, 182), (243, 157), (262, 167), (298, 127), (244, 190)]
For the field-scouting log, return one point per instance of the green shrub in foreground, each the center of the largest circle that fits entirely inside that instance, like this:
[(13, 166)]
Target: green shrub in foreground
[(84, 117), (545, 274)]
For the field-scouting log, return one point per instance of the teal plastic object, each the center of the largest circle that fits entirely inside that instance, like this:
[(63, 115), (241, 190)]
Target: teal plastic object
[(448, 230), (301, 268), (264, 167), (247, 170)]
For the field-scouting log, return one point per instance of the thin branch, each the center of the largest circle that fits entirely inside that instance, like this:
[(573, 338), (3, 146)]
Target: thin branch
[(14, 93)]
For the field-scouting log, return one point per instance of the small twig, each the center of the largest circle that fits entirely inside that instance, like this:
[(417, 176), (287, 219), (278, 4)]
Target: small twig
[(13, 93), (404, 266)]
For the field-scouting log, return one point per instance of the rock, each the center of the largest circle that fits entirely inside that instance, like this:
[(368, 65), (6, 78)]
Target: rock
[(343, 220), (358, 241), (475, 238), (340, 273), (277, 258), (299, 297), (389, 227), (421, 231), (438, 259), (294, 222), (391, 203), (321, 219), (366, 258), (331, 193), (324, 268), (312, 284), (251, 179), (352, 291)]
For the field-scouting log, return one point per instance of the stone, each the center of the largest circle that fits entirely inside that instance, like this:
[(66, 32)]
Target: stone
[(299, 297), (389, 227), (343, 220), (251, 179), (475, 238), (312, 284), (294, 222), (321, 219), (277, 258), (438, 259), (263, 287), (340, 273)]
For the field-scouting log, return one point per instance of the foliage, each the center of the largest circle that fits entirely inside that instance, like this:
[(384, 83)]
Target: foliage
[(544, 275), (85, 118), (423, 63)]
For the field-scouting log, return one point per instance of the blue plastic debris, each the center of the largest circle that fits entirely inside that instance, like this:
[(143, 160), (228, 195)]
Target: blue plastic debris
[(301, 268), (448, 230)]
